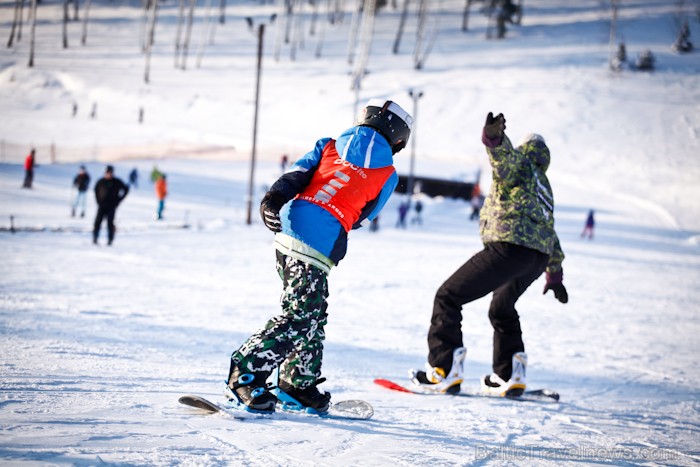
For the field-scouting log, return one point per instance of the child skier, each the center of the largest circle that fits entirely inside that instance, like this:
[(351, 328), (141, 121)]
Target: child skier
[(517, 229), (311, 208)]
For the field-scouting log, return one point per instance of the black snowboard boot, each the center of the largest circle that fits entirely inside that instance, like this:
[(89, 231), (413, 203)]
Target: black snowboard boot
[(251, 390), (309, 397)]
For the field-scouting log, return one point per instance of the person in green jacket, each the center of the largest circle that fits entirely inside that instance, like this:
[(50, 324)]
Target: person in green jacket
[(520, 243)]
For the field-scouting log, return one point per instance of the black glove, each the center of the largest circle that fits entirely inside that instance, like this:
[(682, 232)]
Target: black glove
[(494, 126), (270, 212), (554, 282)]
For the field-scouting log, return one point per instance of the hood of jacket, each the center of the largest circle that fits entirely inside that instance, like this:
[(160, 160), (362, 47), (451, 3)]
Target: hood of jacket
[(364, 147), (537, 152)]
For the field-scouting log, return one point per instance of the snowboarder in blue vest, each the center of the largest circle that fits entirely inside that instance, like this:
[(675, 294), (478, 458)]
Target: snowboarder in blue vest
[(338, 186)]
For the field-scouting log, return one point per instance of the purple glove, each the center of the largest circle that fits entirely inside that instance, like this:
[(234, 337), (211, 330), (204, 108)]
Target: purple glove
[(554, 282)]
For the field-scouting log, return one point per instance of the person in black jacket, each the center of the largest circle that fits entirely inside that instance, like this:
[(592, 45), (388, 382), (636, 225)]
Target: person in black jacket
[(109, 192)]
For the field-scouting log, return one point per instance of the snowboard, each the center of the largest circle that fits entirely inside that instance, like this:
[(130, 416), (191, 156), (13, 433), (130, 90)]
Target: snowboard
[(347, 409), (532, 395)]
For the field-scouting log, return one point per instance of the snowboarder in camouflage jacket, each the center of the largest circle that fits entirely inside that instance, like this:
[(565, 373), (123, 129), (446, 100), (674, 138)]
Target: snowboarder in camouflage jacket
[(520, 243)]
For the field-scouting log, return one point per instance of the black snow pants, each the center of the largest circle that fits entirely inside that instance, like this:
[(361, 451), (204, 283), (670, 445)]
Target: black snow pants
[(105, 212), (505, 269)]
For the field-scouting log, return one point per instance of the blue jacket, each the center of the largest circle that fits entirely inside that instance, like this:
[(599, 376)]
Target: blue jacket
[(333, 188)]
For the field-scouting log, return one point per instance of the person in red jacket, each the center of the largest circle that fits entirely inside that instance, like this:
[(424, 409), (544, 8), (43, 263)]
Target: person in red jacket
[(161, 193), (29, 165)]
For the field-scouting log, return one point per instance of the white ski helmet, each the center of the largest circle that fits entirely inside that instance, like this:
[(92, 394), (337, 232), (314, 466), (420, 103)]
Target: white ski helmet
[(389, 119)]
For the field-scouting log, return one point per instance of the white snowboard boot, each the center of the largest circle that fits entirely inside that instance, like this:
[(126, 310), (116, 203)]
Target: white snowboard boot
[(515, 386), (437, 379)]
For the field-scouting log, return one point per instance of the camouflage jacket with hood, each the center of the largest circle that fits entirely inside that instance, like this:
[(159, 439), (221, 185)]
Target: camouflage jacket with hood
[(520, 206)]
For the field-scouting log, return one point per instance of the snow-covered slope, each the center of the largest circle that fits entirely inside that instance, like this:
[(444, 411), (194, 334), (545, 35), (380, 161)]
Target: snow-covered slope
[(98, 343)]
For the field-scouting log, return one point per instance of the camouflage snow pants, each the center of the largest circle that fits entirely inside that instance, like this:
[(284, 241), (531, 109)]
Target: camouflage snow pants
[(293, 340)]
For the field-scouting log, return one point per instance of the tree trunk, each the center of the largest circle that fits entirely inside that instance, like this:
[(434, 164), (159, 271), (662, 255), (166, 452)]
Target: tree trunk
[(465, 16), (21, 20), (354, 27), (75, 10), (144, 25), (15, 22), (178, 34), (281, 24), (314, 17), (366, 34), (65, 24), (322, 29), (32, 34), (402, 23), (83, 39), (188, 34), (613, 34), (421, 52), (420, 32), (222, 12), (205, 33), (150, 39)]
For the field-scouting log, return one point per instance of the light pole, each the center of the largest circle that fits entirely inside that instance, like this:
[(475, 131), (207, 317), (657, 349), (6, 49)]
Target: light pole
[(261, 33), (409, 184)]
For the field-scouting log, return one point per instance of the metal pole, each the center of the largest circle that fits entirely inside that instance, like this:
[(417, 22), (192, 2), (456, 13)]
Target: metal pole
[(409, 183), (261, 32)]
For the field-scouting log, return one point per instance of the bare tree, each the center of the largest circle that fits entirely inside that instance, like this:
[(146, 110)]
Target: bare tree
[(366, 34), (178, 34), (322, 29), (423, 45), (144, 25), (613, 35), (491, 9), (65, 24), (151, 37), (314, 17), (205, 33), (15, 23), (75, 10), (354, 28), (21, 21), (282, 14), (83, 39), (32, 34), (402, 23), (188, 34), (222, 12), (465, 15)]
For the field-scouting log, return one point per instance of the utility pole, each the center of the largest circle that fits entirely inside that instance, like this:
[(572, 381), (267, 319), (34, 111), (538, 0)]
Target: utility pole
[(251, 183)]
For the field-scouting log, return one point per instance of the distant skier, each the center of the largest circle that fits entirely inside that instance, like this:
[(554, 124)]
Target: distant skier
[(134, 178), (338, 186), (417, 218), (403, 210), (81, 183), (517, 229), (109, 193), (29, 166), (589, 226)]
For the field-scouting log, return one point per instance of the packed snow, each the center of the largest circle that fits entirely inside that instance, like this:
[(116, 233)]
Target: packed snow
[(97, 343)]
